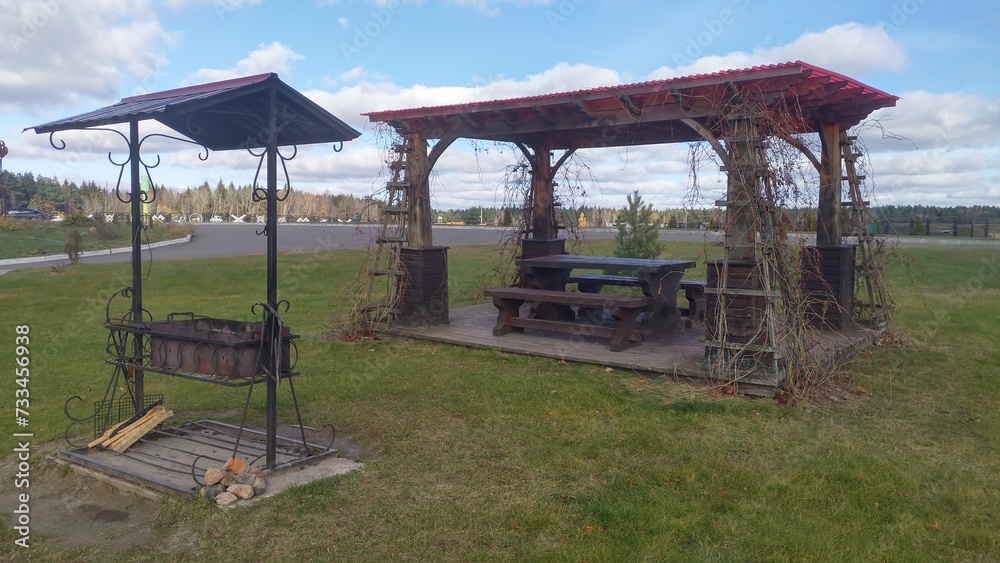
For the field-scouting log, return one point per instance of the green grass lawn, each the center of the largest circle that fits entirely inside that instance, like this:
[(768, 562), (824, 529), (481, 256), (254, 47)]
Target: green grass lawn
[(20, 238), (488, 456)]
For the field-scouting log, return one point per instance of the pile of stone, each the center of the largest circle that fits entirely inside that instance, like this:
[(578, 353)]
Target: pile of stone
[(233, 482)]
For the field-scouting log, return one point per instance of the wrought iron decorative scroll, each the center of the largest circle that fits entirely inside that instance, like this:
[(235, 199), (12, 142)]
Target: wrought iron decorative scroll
[(258, 193), (145, 197), (119, 348), (267, 312)]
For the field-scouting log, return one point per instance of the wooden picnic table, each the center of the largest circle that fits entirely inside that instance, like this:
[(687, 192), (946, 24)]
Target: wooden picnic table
[(657, 279)]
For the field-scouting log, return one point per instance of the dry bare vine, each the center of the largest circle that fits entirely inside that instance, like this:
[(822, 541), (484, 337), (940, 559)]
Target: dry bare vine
[(514, 190), (765, 153), (372, 295)]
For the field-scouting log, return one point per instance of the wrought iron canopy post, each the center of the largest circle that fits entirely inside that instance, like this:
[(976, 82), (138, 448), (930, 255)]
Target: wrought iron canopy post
[(136, 224), (272, 350)]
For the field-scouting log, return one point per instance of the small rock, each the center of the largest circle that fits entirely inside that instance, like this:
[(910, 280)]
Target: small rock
[(213, 475), (257, 471), (226, 499), (259, 485), (235, 466), (242, 491), (227, 479), (245, 478), (212, 491)]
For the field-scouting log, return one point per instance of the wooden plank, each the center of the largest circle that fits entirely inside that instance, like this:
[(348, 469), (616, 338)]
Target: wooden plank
[(107, 435), (426, 279), (126, 432), (693, 284), (133, 435), (113, 431), (608, 263), (606, 279), (124, 428), (563, 327), (569, 297)]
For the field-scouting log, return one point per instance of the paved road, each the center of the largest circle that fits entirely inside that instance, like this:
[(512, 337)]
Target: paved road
[(212, 240)]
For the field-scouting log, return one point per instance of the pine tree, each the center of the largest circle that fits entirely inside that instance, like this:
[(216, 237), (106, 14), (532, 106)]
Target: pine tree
[(637, 230)]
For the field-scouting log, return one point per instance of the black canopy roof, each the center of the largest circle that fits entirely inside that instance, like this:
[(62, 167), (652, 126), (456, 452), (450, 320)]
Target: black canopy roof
[(231, 114)]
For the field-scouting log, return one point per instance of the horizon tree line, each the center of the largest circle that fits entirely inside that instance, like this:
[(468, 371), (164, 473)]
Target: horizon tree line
[(53, 196)]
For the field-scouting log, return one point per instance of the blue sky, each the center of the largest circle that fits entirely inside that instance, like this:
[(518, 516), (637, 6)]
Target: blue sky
[(63, 57)]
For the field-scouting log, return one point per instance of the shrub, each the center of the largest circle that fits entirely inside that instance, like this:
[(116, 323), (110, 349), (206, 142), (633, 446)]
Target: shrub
[(102, 229), (78, 220), (74, 246), (8, 225)]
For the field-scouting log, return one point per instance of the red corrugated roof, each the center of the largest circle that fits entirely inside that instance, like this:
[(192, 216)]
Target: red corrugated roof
[(760, 72)]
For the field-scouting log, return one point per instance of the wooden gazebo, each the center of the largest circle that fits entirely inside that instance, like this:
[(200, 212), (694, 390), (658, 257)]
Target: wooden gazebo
[(707, 107)]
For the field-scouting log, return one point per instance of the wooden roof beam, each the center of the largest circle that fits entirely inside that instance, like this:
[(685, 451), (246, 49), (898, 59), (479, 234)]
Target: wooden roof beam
[(712, 139), (538, 111), (505, 118)]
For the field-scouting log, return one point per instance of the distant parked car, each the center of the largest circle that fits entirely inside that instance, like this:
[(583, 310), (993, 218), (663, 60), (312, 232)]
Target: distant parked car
[(25, 213)]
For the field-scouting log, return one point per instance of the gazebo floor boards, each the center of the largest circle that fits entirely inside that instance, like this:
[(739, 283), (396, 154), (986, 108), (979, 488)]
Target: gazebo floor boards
[(680, 353)]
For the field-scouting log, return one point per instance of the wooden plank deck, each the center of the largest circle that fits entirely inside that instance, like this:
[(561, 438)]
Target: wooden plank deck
[(679, 353)]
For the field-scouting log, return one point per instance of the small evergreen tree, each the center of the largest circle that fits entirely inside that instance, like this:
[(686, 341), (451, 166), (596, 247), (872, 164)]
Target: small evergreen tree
[(637, 230), (917, 227)]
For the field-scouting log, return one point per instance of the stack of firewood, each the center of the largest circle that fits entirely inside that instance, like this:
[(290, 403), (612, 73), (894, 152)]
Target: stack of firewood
[(120, 436)]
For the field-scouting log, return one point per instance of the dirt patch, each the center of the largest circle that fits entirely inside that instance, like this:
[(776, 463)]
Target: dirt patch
[(70, 509)]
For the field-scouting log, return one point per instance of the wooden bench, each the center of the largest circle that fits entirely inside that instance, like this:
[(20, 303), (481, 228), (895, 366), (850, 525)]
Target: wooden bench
[(694, 290), (625, 310)]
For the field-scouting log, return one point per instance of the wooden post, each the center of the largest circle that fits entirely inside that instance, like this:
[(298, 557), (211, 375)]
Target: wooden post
[(543, 212), (830, 178), (417, 174), (741, 182)]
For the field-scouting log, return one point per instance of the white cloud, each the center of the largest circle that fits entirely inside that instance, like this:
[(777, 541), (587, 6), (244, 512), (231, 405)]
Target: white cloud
[(488, 7), (274, 57), (221, 6), (62, 53), (353, 75), (343, 23), (560, 78), (492, 7), (850, 48), (375, 93), (936, 176), (949, 120)]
